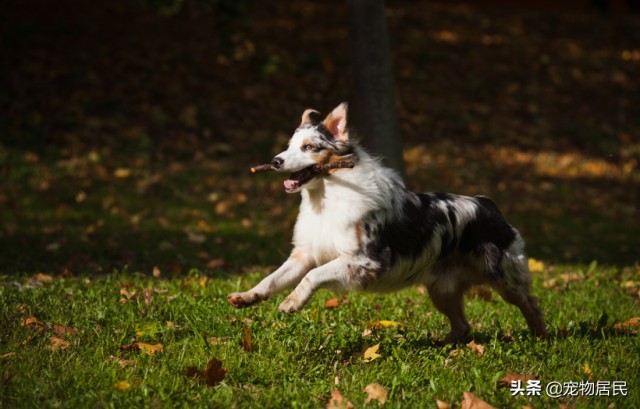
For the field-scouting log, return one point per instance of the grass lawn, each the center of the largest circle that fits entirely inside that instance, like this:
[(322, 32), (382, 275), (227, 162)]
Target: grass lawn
[(298, 360)]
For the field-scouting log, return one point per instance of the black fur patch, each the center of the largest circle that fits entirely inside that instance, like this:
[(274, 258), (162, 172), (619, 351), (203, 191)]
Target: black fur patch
[(486, 235)]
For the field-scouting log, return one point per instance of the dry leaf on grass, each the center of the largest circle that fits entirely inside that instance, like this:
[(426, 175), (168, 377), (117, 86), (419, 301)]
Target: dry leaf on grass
[(58, 344), (505, 381), (471, 401), (476, 349), (247, 340), (7, 355), (213, 375), (215, 263), (332, 303), (384, 324), (536, 266), (376, 392), (442, 405), (628, 325), (33, 324), (122, 385), (149, 349), (371, 353), (562, 279), (337, 401), (62, 331), (40, 279)]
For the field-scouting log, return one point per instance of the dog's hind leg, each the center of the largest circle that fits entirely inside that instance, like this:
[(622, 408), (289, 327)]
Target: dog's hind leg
[(288, 275), (514, 288), (528, 305), (451, 305)]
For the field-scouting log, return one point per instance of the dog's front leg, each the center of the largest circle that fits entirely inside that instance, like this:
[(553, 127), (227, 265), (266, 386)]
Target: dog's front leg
[(335, 275), (289, 274)]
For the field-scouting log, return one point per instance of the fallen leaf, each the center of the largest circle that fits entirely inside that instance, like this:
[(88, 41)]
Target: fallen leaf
[(149, 349), (628, 324), (377, 392), (218, 340), (247, 340), (384, 324), (371, 353), (122, 385), (332, 303), (122, 173), (476, 349), (214, 374), (471, 401), (505, 381), (337, 401), (40, 279), (62, 331), (586, 369), (33, 324), (562, 279), (536, 266), (58, 344), (216, 263), (7, 355), (442, 405)]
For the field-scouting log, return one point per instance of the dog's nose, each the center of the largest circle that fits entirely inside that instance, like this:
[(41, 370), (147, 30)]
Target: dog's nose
[(277, 162)]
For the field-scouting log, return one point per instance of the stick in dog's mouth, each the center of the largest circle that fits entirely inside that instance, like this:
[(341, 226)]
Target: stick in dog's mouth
[(299, 178), (317, 168)]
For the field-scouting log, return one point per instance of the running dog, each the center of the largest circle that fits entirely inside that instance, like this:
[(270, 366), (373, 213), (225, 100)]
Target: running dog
[(359, 228)]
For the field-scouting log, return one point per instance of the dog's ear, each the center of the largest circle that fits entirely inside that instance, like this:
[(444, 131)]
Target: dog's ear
[(310, 116), (336, 122)]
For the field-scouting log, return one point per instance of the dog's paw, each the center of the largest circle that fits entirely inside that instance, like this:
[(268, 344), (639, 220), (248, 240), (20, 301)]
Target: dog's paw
[(242, 300), (291, 304)]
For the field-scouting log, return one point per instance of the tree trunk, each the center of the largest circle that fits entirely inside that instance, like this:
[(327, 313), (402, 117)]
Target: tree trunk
[(372, 112)]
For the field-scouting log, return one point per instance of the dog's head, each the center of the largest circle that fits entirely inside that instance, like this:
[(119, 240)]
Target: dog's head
[(315, 142)]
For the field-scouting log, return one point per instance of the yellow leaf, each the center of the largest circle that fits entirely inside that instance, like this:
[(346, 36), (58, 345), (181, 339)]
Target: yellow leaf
[(372, 353), (122, 173), (150, 349), (536, 266), (586, 369), (384, 324), (442, 405), (122, 385), (377, 392)]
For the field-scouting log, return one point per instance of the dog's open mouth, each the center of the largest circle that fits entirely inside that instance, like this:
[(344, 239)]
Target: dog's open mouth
[(299, 179)]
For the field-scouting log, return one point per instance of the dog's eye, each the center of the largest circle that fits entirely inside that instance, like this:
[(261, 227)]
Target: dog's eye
[(307, 147)]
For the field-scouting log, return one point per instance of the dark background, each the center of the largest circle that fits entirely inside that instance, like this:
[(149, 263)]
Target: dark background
[(126, 128)]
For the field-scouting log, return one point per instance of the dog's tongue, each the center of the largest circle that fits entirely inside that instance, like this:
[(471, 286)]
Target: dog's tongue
[(290, 184)]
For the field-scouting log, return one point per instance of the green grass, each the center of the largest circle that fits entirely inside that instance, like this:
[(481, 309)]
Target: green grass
[(295, 359)]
